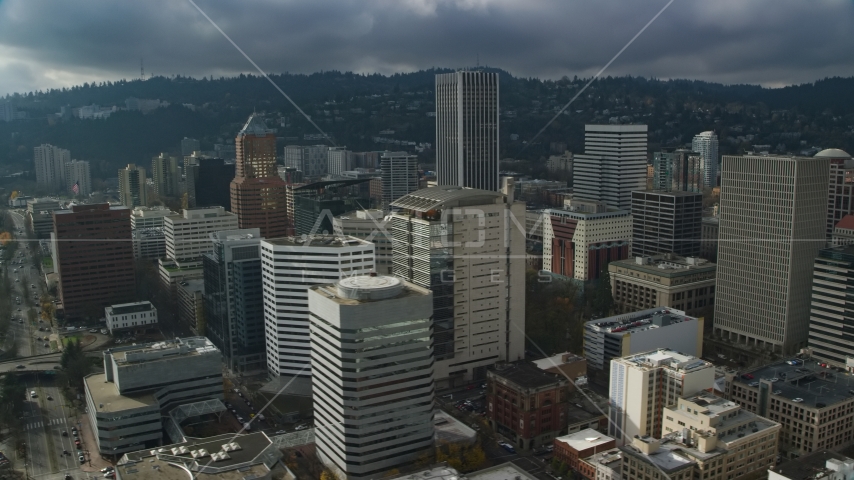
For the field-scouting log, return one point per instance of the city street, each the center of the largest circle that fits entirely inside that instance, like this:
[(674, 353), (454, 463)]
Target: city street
[(45, 419)]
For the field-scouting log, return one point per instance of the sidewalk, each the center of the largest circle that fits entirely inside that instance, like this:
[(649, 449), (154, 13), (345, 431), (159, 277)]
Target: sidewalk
[(94, 461)]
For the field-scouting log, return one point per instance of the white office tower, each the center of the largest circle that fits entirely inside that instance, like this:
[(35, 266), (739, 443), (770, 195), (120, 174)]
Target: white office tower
[(289, 267), (612, 166), (467, 129), (188, 235), (338, 160), (706, 144), (50, 166), (468, 247), (772, 226), (400, 175), (643, 384), (372, 382), (77, 173)]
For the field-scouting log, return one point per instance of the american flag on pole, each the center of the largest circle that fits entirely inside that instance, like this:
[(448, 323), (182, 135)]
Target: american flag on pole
[(76, 187)]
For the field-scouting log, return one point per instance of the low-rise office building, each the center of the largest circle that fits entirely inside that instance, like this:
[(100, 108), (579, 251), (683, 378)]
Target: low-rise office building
[(570, 365), (149, 244), (813, 404), (526, 404), (130, 316), (604, 465), (684, 283), (570, 449), (823, 465), (631, 333), (222, 457), (173, 272), (648, 457), (141, 383), (42, 224)]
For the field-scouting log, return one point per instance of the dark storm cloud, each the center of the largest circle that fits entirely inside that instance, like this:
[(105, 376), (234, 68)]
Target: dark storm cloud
[(44, 43)]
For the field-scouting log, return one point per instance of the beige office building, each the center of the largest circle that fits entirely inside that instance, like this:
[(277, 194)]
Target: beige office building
[(368, 225), (188, 234), (665, 280), (643, 384), (772, 225), (465, 245)]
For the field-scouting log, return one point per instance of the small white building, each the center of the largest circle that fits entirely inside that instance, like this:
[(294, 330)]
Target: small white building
[(130, 315)]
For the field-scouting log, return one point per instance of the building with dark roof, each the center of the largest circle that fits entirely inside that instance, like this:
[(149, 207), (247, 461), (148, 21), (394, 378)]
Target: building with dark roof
[(527, 405), (684, 283)]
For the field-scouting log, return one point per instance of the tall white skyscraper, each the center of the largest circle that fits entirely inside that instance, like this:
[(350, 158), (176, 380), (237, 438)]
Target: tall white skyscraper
[(50, 166), (372, 374), (706, 144), (289, 267), (612, 166), (467, 129), (77, 173), (772, 225)]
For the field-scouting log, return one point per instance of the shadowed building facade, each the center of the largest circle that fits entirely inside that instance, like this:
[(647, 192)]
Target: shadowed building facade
[(258, 194)]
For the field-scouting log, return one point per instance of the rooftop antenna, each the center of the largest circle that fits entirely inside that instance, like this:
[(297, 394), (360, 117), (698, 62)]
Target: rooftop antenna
[(141, 69)]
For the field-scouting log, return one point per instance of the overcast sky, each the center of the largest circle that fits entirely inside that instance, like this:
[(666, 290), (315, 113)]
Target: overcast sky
[(55, 43)]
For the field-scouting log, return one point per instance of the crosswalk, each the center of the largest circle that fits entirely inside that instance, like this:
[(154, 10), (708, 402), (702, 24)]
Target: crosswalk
[(53, 421)]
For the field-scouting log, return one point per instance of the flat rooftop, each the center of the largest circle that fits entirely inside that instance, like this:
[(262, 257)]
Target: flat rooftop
[(448, 429), (439, 472), (667, 358), (639, 321), (664, 458), (504, 471), (585, 439), (165, 350), (105, 393), (134, 307), (670, 266), (327, 241), (812, 466), (160, 462), (193, 285), (526, 375), (557, 360), (818, 387)]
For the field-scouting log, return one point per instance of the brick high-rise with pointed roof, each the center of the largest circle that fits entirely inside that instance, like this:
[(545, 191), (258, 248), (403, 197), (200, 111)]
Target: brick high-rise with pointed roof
[(258, 194)]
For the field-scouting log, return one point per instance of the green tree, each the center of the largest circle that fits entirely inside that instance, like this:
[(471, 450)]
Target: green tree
[(552, 318), (603, 299), (75, 365)]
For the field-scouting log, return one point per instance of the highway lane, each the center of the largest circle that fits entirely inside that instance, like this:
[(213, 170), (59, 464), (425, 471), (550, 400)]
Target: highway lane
[(45, 420)]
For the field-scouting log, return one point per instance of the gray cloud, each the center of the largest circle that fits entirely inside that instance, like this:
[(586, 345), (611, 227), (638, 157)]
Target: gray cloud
[(774, 42)]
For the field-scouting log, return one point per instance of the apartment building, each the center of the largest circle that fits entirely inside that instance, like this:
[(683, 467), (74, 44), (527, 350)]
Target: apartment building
[(463, 244), (290, 266), (580, 239), (814, 404), (526, 404), (357, 324), (311, 160), (642, 385), (132, 188), (399, 175), (637, 332), (49, 162), (640, 283)]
